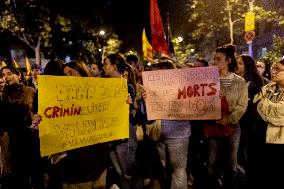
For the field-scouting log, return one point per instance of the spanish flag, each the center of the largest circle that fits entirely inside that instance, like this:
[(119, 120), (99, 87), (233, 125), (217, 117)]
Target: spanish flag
[(28, 66), (3, 63), (15, 64), (146, 47)]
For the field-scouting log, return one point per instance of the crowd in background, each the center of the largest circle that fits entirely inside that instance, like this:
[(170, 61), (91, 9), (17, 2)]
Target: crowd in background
[(182, 153)]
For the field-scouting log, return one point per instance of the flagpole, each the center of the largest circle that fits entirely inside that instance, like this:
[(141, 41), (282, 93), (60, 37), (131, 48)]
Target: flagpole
[(169, 37), (168, 29)]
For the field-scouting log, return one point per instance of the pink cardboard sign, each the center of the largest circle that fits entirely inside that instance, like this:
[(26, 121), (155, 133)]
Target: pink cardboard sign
[(183, 94)]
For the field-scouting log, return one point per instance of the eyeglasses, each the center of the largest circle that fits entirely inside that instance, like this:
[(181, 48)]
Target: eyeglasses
[(276, 69)]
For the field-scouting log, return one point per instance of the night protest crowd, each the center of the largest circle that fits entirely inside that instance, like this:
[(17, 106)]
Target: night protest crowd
[(247, 152)]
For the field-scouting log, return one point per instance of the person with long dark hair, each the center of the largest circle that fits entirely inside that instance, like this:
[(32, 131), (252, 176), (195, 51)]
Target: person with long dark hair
[(247, 155), (16, 117), (84, 167), (234, 97), (123, 152), (172, 144)]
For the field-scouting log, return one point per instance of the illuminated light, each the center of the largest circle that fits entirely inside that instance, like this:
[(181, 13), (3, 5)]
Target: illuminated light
[(192, 50), (130, 52), (67, 59), (70, 42), (63, 39), (100, 50), (102, 32), (149, 64), (180, 39)]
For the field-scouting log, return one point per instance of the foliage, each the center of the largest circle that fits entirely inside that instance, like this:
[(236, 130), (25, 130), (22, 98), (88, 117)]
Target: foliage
[(183, 52), (28, 21), (57, 31), (211, 18), (32, 23), (106, 46), (113, 44), (276, 51)]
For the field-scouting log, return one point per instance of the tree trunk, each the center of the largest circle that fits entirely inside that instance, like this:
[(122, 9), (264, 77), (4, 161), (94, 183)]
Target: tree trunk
[(37, 56), (37, 52), (35, 48), (231, 30), (231, 23)]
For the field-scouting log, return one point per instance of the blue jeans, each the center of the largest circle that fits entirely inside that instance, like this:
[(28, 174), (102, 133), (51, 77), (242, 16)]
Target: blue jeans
[(223, 157), (123, 159), (177, 149)]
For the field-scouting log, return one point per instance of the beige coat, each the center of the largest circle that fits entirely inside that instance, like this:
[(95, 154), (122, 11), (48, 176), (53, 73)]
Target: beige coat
[(237, 96), (271, 109)]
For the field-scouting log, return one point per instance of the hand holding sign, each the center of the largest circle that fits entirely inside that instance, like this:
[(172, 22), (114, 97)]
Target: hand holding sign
[(35, 122)]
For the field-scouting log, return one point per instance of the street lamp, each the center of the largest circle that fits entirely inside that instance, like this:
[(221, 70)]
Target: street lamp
[(191, 58), (103, 49), (102, 33), (67, 58)]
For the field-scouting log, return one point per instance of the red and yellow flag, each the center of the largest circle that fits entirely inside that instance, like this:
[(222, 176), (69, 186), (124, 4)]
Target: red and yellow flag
[(146, 47), (15, 63), (159, 42), (28, 66), (3, 63)]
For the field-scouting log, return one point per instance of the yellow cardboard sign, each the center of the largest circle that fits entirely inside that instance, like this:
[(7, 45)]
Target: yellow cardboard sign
[(249, 21), (81, 111)]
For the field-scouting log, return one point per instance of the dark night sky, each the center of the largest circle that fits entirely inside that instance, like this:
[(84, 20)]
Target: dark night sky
[(126, 17), (130, 16), (128, 20)]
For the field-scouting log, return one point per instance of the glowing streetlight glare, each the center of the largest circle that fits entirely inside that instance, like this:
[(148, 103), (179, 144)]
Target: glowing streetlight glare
[(102, 32), (149, 64), (100, 50), (180, 39), (67, 58), (192, 50)]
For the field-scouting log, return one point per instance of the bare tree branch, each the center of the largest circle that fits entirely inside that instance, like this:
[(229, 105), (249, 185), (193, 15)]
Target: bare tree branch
[(25, 39), (237, 20), (38, 42)]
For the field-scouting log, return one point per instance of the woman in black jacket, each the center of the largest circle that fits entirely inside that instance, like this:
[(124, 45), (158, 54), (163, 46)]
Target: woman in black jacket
[(16, 115)]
